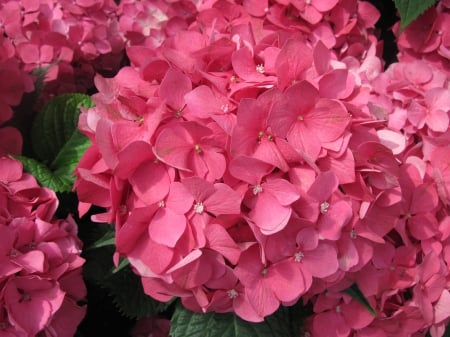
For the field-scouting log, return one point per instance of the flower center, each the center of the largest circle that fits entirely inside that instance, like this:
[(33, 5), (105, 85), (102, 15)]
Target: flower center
[(232, 294), (353, 234), (260, 68), (338, 309), (300, 118), (197, 148), (324, 207), (161, 203), (257, 189), (199, 208), (298, 257), (264, 272), (225, 108)]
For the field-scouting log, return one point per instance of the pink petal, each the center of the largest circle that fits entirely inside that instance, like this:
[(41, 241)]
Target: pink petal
[(328, 120), (322, 56), (284, 192), (322, 261), (356, 315), (269, 215), (324, 185), (167, 227), (293, 60), (248, 169), (179, 199), (256, 7), (173, 88), (286, 281), (297, 101), (224, 200), (218, 239), (151, 182), (131, 157), (336, 84), (331, 223), (150, 258), (173, 146)]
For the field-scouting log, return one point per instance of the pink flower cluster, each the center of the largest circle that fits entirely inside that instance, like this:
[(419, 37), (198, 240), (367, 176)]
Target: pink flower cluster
[(258, 155), (428, 37), (40, 263), (72, 39)]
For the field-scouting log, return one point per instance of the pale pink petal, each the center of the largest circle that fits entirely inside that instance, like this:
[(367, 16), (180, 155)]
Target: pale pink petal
[(393, 140), (442, 307)]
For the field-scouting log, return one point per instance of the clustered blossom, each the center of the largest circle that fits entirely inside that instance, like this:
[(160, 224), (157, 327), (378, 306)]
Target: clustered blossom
[(255, 154), (40, 265), (68, 41), (428, 37)]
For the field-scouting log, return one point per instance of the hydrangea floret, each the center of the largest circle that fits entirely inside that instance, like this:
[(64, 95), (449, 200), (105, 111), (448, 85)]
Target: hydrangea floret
[(253, 155), (41, 285)]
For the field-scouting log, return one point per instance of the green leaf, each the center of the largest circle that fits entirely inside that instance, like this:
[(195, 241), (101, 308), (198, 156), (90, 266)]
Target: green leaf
[(56, 124), (185, 323), (45, 176), (357, 295), (57, 143), (122, 264), (106, 240), (411, 9)]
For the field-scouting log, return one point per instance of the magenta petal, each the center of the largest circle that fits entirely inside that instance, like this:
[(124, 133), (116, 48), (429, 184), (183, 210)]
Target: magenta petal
[(262, 298), (167, 227), (173, 146), (322, 261), (219, 240), (39, 298), (151, 182), (224, 200), (105, 142), (284, 192), (356, 316), (322, 56), (328, 120), (324, 185), (131, 157), (286, 280), (293, 60), (336, 84), (269, 215), (425, 199), (268, 152), (179, 199), (173, 87), (423, 226), (150, 258), (331, 223), (215, 163), (32, 262), (249, 169)]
